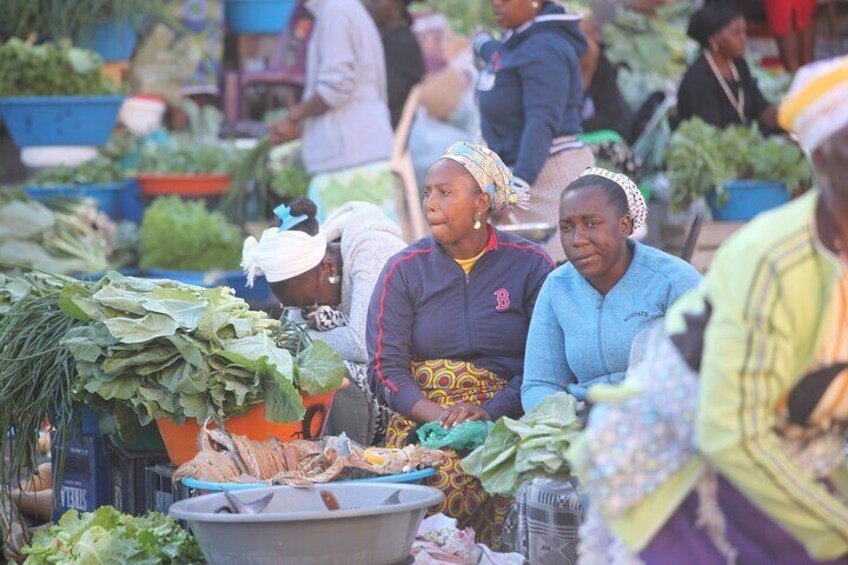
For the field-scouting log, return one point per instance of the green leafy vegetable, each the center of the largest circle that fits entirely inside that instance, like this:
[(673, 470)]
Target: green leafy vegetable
[(48, 70), (534, 446), (183, 235), (176, 158), (69, 237), (107, 536), (100, 170), (701, 158), (160, 349)]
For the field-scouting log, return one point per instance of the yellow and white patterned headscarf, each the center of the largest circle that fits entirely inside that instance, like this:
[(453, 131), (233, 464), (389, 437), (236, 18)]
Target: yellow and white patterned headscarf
[(817, 104), (490, 172)]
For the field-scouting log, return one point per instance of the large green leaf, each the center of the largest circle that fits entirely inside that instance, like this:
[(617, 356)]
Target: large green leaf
[(140, 330), (319, 369)]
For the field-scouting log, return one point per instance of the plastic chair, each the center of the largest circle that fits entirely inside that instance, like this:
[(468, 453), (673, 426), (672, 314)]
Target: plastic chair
[(411, 212), (287, 66)]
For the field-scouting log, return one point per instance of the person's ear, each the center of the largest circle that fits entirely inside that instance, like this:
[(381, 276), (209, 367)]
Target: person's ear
[(626, 225), (484, 203), (328, 266)]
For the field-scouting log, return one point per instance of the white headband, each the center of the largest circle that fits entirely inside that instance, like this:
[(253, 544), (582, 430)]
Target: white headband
[(637, 208), (282, 255)]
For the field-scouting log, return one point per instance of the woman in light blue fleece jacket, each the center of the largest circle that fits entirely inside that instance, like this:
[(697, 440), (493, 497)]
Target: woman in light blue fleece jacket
[(590, 309)]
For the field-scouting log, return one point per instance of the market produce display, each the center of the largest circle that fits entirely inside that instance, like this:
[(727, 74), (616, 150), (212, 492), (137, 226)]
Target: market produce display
[(534, 446), (229, 458), (177, 234), (701, 158), (48, 70), (69, 236), (176, 158), (36, 372), (161, 349), (108, 536), (100, 170)]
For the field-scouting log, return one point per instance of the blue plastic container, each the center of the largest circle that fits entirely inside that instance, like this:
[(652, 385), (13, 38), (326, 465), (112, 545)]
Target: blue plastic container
[(112, 40), (746, 199), (131, 206), (40, 121), (258, 16), (108, 196)]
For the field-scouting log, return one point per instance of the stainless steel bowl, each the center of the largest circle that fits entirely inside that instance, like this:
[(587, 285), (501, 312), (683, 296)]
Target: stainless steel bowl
[(536, 231)]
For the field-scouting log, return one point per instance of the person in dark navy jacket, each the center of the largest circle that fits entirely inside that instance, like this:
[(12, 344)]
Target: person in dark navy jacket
[(449, 317)]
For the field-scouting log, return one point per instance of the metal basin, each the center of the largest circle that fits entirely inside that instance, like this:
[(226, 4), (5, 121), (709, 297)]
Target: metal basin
[(538, 232), (297, 528)]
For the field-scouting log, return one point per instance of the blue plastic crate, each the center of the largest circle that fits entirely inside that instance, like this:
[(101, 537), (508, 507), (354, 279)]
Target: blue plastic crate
[(258, 16), (85, 481), (38, 121), (747, 198), (108, 196)]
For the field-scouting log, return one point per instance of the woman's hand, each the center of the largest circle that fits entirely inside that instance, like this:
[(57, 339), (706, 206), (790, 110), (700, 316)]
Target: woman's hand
[(458, 413), (284, 130)]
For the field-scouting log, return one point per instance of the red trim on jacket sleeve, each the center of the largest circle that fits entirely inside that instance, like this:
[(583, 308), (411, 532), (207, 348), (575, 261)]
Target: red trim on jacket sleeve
[(531, 249), (378, 356)]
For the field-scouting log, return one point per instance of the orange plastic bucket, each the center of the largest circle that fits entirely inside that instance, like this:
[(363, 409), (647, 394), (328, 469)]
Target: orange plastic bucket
[(181, 439), (185, 185)]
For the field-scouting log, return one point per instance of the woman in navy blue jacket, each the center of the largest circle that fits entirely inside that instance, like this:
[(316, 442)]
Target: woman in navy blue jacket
[(449, 317), (530, 96)]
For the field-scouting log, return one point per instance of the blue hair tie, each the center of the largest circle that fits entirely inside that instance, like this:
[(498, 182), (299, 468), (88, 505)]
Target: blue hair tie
[(287, 221)]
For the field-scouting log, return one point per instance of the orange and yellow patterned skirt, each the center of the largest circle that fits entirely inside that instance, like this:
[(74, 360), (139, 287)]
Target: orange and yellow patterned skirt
[(447, 383)]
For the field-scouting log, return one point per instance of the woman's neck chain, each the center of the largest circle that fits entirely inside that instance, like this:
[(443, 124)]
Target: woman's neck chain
[(736, 100)]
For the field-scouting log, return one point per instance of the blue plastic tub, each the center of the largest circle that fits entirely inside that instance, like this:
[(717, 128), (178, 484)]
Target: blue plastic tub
[(258, 16), (131, 206), (413, 477), (108, 196), (39, 121), (112, 40), (746, 199)]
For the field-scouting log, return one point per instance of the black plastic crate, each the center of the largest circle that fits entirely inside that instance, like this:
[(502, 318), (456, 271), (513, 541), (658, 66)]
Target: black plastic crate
[(127, 478), (162, 491)]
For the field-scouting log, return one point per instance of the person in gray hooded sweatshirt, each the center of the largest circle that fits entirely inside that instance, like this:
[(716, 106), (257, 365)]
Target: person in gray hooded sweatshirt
[(339, 264), (530, 95)]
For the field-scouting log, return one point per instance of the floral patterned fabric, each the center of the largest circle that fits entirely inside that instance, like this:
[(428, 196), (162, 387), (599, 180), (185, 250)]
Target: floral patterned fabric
[(490, 172)]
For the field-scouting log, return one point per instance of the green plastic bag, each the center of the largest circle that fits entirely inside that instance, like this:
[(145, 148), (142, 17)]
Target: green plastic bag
[(467, 435)]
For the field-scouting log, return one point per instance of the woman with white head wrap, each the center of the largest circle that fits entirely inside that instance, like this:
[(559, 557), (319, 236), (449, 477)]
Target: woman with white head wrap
[(330, 272), (590, 310), (728, 444)]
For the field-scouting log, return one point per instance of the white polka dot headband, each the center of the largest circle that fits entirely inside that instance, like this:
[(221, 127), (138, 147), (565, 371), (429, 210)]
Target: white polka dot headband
[(637, 208)]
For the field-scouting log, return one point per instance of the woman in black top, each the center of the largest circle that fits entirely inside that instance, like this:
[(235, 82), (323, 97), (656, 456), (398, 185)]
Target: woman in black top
[(719, 87), (404, 61)]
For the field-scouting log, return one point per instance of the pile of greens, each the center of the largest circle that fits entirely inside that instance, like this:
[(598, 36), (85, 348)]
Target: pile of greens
[(182, 235), (701, 158), (275, 173), (100, 170), (53, 18), (48, 70), (161, 349), (36, 372), (108, 536), (182, 159), (534, 446), (66, 238), (653, 50)]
